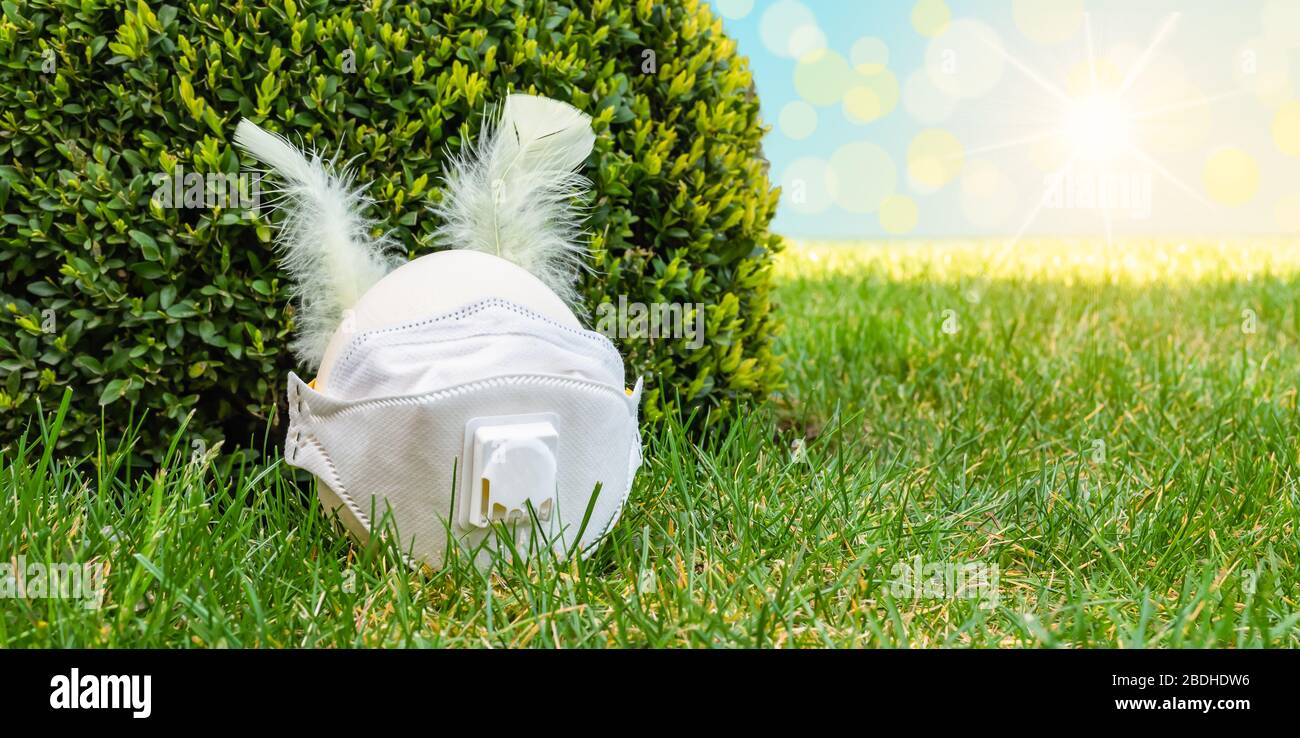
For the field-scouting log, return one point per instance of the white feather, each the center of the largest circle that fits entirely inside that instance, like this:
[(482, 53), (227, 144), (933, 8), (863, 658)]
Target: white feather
[(514, 193), (324, 238)]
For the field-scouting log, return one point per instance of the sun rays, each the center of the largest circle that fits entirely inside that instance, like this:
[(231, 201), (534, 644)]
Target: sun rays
[(1098, 129)]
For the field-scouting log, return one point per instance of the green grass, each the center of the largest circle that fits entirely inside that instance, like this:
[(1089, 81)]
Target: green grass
[(1108, 427)]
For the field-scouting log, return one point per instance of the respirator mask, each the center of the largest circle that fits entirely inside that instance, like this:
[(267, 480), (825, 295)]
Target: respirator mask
[(457, 397)]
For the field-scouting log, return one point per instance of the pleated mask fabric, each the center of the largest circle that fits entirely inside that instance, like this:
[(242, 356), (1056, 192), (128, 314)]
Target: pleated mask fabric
[(388, 435)]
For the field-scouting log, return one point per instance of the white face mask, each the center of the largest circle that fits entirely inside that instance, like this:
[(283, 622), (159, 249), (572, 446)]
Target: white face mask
[(528, 443), (457, 424)]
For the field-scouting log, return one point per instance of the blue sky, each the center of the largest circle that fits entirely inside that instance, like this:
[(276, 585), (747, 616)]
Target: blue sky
[(926, 118)]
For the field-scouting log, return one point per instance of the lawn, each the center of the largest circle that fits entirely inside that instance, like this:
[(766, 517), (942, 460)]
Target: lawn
[(1063, 444)]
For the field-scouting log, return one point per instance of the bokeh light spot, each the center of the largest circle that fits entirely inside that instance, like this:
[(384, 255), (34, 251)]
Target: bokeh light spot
[(869, 55), (931, 17), (964, 62), (734, 9), (1288, 214), (807, 40), (1286, 128), (862, 175), (798, 120), (786, 27), (934, 159), (1231, 176), (871, 97), (861, 105), (898, 214), (1048, 21), (823, 77), (806, 186), (988, 197)]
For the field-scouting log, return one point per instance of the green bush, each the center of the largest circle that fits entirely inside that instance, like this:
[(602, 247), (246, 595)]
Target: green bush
[(171, 310)]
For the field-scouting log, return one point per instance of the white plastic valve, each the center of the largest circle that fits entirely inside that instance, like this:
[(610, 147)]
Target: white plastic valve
[(510, 465)]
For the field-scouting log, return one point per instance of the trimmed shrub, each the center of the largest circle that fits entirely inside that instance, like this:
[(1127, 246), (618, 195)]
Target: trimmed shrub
[(138, 303)]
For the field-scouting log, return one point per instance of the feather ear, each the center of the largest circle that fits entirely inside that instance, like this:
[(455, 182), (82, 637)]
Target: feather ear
[(513, 193), (324, 239)]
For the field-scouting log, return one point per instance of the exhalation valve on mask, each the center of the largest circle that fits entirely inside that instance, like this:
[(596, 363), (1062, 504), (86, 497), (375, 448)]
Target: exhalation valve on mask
[(457, 393)]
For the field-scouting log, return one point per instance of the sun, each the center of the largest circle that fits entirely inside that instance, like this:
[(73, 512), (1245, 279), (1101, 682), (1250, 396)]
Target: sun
[(1098, 128)]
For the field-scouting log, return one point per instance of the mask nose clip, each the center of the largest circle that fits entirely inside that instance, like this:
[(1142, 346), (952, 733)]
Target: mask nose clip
[(510, 465)]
